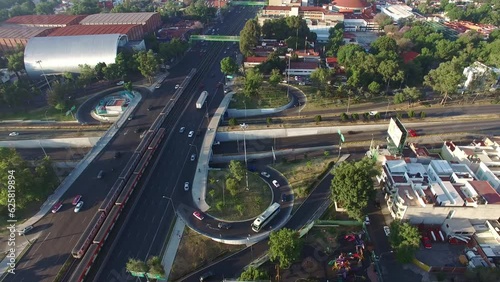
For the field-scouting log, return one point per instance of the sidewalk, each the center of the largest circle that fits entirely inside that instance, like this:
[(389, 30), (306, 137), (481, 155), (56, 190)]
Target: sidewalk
[(172, 246)]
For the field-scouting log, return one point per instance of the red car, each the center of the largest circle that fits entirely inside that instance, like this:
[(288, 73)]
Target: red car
[(412, 133), (56, 207), (426, 242), (76, 199), (198, 215)]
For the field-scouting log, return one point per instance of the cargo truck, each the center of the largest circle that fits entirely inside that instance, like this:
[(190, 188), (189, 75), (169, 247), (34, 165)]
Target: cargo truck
[(201, 100)]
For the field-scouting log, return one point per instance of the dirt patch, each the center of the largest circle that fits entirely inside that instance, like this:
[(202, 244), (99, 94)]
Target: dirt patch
[(196, 251), (245, 204)]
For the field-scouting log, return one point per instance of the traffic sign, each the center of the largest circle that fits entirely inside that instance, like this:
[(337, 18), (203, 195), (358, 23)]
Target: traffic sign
[(229, 76), (341, 135)]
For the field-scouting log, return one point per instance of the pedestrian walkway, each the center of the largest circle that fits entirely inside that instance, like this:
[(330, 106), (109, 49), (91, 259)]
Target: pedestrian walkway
[(172, 246)]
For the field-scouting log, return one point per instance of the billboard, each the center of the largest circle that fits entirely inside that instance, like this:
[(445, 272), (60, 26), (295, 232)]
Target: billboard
[(395, 132)]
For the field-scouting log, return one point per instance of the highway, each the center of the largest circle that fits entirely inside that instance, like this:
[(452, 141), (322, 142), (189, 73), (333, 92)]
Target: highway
[(144, 232), (479, 127), (50, 133)]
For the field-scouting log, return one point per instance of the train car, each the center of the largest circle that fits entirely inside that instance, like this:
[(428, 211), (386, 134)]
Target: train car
[(139, 169), (107, 225), (88, 236), (157, 139), (84, 266), (127, 190), (158, 122), (113, 193), (129, 168), (148, 136)]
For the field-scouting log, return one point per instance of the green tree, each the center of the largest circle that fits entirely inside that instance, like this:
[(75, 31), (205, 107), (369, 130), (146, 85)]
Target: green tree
[(335, 40), (232, 122), (347, 52), (86, 76), (232, 186), (404, 239), (382, 20), (384, 43), (389, 70), (374, 87), (128, 86), (275, 77), (15, 62), (99, 70), (85, 7), (445, 79), (240, 208), (253, 274), (344, 117), (284, 247), (249, 37), (317, 119), (482, 274), (148, 64), (399, 98), (155, 266), (269, 121), (321, 76), (422, 114), (253, 81), (45, 8), (135, 265), (57, 94), (228, 65), (237, 169), (352, 186), (112, 72)]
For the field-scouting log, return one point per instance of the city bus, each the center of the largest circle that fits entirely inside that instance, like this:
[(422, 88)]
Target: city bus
[(265, 217)]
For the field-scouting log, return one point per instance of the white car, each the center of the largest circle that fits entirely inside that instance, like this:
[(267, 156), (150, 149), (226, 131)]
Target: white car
[(79, 206), (14, 133), (372, 113), (193, 157), (190, 134), (265, 174), (276, 184), (387, 230), (158, 86), (186, 186), (182, 129), (177, 86), (120, 83), (367, 220)]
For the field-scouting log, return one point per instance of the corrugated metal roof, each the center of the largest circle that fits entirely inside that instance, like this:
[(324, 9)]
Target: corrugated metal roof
[(21, 31), (119, 18), (44, 19), (61, 54), (92, 29)]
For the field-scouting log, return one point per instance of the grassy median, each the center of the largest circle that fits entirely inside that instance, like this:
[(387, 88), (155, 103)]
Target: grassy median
[(269, 97)]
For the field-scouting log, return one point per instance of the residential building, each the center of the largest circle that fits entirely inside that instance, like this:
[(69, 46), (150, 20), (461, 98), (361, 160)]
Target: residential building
[(431, 191), (482, 156), (301, 68), (251, 62)]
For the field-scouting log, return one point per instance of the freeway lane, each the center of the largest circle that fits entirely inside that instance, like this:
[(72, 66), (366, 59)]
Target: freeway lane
[(490, 127), (145, 232)]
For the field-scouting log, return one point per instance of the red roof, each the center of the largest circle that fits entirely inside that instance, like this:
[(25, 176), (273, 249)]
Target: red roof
[(331, 60), (409, 56), (46, 20), (352, 4), (255, 59), (92, 29), (484, 189), (303, 65), (278, 8)]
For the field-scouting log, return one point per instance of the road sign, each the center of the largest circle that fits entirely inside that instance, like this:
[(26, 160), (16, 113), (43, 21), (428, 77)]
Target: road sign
[(73, 108), (341, 135), (229, 76)]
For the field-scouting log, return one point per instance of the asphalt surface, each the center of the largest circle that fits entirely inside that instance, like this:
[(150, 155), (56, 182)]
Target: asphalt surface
[(491, 127), (144, 233)]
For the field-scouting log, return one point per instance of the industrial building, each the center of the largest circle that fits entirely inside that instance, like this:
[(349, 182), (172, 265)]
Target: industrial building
[(13, 37), (44, 56), (150, 22), (133, 32), (46, 20)]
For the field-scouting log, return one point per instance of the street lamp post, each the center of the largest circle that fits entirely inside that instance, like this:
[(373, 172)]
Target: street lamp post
[(39, 62), (46, 118), (288, 76), (244, 126), (387, 109), (379, 257), (172, 202)]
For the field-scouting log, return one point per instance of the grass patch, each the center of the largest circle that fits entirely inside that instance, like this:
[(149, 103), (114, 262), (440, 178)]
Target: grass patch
[(303, 173), (269, 97), (43, 113), (245, 204), (195, 251)]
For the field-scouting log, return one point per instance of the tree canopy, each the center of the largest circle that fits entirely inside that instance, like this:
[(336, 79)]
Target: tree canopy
[(352, 186), (404, 239), (148, 65), (228, 65), (237, 169), (253, 274), (284, 247), (249, 37)]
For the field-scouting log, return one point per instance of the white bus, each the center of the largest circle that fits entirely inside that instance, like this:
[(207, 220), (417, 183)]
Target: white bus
[(265, 217)]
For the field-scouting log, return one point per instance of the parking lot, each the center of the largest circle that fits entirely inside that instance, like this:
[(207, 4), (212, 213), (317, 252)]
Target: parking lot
[(441, 254)]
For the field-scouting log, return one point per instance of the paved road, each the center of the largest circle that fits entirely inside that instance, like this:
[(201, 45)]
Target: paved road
[(145, 232), (479, 127)]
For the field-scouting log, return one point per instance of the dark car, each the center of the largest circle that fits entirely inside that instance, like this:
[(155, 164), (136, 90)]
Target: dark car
[(206, 275), (284, 197), (224, 225), (139, 130)]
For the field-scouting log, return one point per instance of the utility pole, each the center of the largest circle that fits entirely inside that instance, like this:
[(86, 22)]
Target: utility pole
[(39, 62), (244, 126)]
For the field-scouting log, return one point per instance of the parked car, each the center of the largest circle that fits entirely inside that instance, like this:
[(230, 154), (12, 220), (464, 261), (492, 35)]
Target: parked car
[(387, 230), (367, 220), (224, 225), (117, 155), (217, 143), (57, 207), (130, 117), (13, 133), (206, 275), (158, 86), (284, 197), (76, 199), (186, 186), (198, 215), (372, 113), (265, 174), (412, 133), (190, 134), (276, 184), (79, 206), (426, 242), (25, 230), (100, 174)]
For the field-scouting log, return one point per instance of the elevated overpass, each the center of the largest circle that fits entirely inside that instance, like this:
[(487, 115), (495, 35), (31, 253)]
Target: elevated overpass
[(224, 38)]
